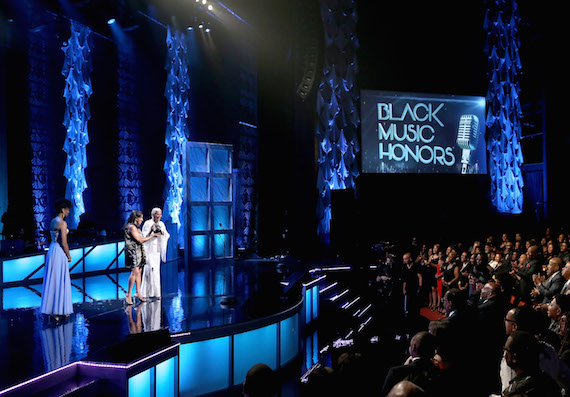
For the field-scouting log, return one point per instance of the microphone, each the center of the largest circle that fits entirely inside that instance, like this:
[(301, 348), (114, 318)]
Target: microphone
[(467, 135)]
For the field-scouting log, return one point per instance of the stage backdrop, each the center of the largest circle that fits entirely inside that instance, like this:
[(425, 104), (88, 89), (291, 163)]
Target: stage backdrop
[(422, 133)]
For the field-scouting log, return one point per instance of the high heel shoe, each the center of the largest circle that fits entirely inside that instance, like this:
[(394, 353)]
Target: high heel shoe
[(129, 300), (141, 298)]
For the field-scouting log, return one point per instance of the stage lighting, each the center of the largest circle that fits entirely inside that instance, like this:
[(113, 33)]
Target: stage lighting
[(111, 21), (207, 30), (200, 26), (190, 28), (210, 7), (204, 1)]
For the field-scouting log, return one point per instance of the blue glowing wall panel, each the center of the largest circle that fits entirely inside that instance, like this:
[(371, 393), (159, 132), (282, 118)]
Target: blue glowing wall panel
[(198, 159), (166, 378), (21, 297), (101, 257), (221, 161), (121, 259), (222, 246), (100, 288), (141, 385), (199, 190), (253, 347), (222, 217), (199, 218), (200, 247), (222, 189), (209, 357), (77, 294), (76, 256), (19, 268), (289, 342), (311, 304)]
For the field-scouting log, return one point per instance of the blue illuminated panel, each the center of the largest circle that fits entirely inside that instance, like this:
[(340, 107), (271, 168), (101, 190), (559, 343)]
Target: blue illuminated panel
[(166, 378), (198, 359), (21, 297), (221, 189), (222, 217), (100, 257), (311, 304), (222, 245), (199, 218), (315, 301), (121, 260), (200, 247), (100, 288), (76, 255), (19, 268), (221, 161), (253, 347), (199, 188), (198, 157), (289, 343), (140, 385)]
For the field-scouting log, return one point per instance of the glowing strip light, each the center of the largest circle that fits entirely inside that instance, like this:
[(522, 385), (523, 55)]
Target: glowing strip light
[(364, 324), (365, 310), (33, 380), (328, 287), (247, 124), (305, 376), (130, 365), (348, 304), (334, 298), (315, 281)]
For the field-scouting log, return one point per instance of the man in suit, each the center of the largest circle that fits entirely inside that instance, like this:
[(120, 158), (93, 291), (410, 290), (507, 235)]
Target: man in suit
[(419, 367), (546, 288), (524, 274), (566, 274)]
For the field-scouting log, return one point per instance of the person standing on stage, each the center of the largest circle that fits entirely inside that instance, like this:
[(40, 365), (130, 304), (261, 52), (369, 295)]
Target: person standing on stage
[(56, 291), (135, 257), (155, 252)]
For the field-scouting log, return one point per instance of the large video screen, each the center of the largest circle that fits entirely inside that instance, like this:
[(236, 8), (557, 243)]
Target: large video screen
[(422, 133)]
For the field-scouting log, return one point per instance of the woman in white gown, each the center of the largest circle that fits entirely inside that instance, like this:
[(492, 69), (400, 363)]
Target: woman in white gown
[(56, 291), (155, 252)]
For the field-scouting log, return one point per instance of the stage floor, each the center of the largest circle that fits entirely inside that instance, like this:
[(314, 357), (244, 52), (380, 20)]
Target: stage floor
[(32, 345)]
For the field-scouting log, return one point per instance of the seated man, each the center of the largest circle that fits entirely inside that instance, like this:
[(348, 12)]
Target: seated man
[(521, 354), (419, 369), (546, 288)]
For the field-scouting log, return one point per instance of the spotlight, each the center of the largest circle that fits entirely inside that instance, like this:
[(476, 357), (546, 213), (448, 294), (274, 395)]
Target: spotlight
[(204, 1), (210, 7), (111, 21), (190, 28), (200, 26), (207, 30)]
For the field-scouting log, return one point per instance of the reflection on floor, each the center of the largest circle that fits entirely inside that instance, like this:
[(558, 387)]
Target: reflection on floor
[(32, 345)]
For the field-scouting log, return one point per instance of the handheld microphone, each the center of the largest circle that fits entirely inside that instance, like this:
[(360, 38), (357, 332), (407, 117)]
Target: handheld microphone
[(467, 135)]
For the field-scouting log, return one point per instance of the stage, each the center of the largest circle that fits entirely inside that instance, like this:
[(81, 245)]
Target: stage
[(214, 300)]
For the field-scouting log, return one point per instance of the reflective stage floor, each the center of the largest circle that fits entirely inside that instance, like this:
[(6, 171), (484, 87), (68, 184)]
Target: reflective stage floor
[(211, 295)]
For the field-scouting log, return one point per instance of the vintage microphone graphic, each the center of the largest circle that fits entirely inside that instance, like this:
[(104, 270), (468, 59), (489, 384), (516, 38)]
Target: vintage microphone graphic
[(467, 138)]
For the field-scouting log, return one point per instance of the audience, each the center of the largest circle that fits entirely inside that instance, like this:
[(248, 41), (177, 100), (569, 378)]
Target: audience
[(503, 328)]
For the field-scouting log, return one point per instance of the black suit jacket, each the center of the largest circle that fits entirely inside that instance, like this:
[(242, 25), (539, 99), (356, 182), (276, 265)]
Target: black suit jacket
[(422, 372), (551, 287), (525, 272)]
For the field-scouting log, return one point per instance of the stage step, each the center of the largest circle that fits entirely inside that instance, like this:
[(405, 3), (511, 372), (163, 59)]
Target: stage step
[(75, 387)]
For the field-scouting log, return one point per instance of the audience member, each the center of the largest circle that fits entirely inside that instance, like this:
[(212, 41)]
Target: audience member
[(406, 389), (521, 354), (546, 288), (260, 381), (419, 368)]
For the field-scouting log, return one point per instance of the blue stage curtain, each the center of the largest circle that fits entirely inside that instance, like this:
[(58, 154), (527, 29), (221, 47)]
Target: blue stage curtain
[(337, 107), (177, 132), (129, 180), (76, 70), (504, 110)]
